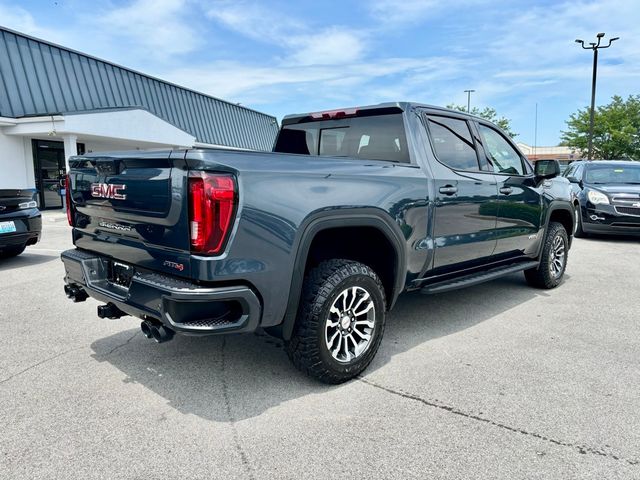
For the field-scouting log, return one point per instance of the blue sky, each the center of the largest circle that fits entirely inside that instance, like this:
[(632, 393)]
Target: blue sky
[(283, 57)]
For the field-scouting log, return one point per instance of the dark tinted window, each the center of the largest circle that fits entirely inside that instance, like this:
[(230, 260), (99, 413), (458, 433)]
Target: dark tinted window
[(380, 137), (452, 142), (504, 158)]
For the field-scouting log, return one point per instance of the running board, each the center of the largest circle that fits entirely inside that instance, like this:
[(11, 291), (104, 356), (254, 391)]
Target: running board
[(476, 278)]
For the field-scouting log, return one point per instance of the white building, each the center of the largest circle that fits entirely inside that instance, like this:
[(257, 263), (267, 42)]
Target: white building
[(557, 152)]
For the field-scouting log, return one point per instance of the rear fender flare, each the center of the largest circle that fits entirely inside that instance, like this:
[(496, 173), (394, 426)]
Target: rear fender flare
[(369, 217)]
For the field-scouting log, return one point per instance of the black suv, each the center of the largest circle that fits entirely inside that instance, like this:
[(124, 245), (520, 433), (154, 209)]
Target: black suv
[(20, 221), (606, 194)]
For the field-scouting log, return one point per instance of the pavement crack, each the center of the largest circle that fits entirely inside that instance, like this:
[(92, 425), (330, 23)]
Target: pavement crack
[(232, 419), (119, 346), (582, 449), (37, 364)]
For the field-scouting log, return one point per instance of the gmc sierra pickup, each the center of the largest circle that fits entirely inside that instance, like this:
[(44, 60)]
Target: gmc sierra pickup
[(315, 241)]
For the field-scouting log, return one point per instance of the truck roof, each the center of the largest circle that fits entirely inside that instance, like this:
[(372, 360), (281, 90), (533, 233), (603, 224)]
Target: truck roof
[(399, 106)]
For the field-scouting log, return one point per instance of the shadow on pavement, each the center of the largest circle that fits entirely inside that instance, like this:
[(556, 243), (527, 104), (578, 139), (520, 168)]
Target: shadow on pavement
[(25, 260), (237, 377), (612, 238)]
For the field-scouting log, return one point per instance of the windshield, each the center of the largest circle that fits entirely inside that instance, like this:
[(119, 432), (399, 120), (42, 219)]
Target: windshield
[(613, 174), (380, 137)]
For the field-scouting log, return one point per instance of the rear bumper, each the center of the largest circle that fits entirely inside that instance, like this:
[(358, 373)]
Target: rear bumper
[(28, 228), (180, 305)]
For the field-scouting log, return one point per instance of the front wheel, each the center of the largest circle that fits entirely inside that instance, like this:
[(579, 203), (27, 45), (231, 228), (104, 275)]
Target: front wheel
[(579, 233), (553, 260), (340, 321)]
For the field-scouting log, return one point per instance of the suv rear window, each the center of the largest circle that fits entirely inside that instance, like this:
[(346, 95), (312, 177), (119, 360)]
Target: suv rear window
[(380, 137)]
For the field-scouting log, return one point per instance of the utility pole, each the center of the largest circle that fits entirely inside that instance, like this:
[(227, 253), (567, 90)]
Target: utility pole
[(469, 92), (595, 46), (535, 135)]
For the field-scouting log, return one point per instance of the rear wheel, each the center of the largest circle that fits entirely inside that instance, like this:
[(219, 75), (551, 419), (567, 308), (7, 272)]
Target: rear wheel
[(340, 321), (13, 251), (553, 260)]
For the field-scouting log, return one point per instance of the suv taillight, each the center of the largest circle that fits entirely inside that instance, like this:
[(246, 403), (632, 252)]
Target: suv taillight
[(67, 193), (212, 204)]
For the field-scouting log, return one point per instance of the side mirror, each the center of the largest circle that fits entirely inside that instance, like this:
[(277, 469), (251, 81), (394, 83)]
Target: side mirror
[(547, 169), (573, 179)]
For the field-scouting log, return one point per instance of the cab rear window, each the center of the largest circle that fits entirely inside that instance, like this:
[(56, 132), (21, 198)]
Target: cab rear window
[(374, 138)]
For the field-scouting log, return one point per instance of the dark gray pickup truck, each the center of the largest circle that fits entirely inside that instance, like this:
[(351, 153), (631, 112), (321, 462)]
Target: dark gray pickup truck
[(315, 241)]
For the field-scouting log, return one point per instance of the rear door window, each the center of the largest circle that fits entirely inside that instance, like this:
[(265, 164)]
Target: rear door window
[(452, 143)]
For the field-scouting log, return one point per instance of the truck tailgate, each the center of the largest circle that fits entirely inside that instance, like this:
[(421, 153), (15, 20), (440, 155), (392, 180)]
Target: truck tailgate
[(132, 206)]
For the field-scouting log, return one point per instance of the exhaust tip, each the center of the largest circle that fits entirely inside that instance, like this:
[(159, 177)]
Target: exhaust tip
[(161, 333), (145, 326), (75, 293)]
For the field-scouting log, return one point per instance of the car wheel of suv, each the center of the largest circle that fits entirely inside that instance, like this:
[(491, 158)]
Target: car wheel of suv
[(8, 252), (553, 261), (579, 233), (340, 321)]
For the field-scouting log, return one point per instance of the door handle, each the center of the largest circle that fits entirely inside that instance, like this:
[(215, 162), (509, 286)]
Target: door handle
[(506, 190), (448, 190)]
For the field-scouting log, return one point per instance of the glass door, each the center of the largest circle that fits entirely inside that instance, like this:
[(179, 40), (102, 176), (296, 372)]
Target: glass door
[(49, 168)]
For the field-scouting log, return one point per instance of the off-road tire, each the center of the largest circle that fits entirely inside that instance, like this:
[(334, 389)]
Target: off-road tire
[(307, 347), (8, 252), (542, 276)]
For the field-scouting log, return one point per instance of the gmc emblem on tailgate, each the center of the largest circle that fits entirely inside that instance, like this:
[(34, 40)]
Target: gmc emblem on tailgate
[(108, 190)]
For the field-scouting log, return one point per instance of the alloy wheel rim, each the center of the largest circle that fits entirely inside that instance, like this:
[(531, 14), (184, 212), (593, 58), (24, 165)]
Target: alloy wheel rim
[(557, 257), (350, 324)]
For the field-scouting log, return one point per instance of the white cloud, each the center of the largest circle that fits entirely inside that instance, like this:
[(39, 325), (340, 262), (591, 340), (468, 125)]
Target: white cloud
[(161, 27), (374, 80), (299, 42), (254, 21), (393, 13), (403, 11), (19, 19), (332, 46)]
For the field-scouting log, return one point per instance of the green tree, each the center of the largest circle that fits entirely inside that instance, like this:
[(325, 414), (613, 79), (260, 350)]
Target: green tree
[(490, 114), (616, 130)]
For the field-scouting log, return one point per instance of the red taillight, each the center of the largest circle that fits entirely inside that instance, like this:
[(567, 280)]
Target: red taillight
[(67, 193), (212, 202)]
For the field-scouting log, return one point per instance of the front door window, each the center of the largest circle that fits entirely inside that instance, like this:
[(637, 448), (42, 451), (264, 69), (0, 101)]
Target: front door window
[(503, 156)]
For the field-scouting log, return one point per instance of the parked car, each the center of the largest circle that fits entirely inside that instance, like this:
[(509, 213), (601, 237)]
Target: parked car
[(606, 194), (20, 221), (314, 241)]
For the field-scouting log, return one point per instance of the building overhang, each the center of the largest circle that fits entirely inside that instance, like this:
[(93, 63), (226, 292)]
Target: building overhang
[(129, 126)]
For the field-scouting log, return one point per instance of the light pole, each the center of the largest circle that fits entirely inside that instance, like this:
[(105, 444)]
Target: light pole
[(468, 92), (595, 47)]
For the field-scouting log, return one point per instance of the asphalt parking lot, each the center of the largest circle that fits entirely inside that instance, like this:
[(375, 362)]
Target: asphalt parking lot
[(496, 381)]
